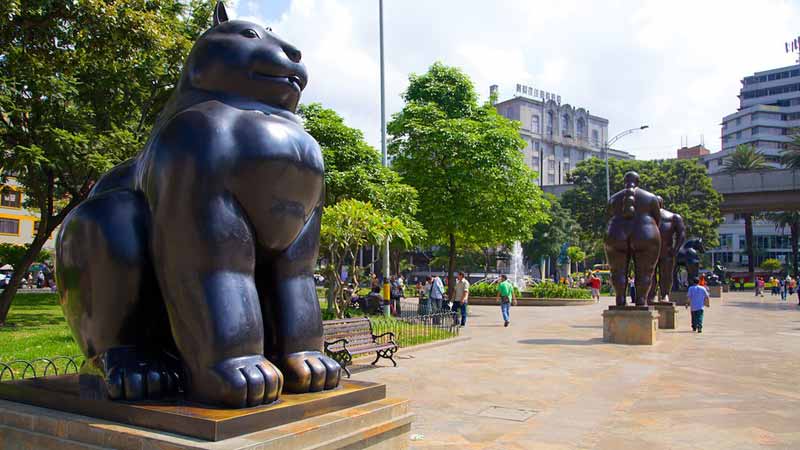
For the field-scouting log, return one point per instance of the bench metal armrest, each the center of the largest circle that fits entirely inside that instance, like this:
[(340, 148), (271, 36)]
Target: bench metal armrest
[(344, 342), (375, 337)]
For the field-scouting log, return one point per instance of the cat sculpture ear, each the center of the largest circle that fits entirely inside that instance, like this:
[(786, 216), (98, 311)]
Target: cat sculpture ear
[(220, 15)]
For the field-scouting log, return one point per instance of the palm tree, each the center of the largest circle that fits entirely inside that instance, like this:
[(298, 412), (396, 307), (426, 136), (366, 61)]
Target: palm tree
[(789, 219), (746, 158), (790, 156)]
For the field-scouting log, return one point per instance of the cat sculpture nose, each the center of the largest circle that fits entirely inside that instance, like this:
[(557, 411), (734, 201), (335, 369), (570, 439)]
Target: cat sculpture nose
[(293, 53)]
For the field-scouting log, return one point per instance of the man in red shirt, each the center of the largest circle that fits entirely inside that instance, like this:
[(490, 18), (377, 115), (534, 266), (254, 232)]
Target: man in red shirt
[(594, 284)]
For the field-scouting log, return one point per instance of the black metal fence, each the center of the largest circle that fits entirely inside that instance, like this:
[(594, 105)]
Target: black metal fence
[(39, 367), (414, 329)]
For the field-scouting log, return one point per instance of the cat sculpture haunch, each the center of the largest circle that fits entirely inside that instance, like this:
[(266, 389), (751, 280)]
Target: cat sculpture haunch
[(189, 269)]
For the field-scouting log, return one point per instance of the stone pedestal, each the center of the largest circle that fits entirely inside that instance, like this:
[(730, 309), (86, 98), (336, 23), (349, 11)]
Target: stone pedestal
[(715, 291), (666, 315), (631, 325), (356, 415), (679, 298)]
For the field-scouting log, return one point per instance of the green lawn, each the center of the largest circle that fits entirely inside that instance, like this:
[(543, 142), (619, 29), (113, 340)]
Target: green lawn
[(36, 329)]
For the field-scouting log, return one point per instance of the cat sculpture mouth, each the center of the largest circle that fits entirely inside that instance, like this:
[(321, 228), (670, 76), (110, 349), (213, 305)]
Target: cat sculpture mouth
[(295, 81)]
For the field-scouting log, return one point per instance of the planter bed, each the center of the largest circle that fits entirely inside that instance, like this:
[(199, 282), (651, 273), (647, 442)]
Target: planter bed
[(530, 301)]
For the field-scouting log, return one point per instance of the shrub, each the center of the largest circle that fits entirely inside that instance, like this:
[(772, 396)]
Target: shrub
[(556, 290), (486, 290)]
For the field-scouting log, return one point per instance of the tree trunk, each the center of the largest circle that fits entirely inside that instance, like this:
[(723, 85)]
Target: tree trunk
[(22, 268), (748, 235), (795, 229), (451, 267)]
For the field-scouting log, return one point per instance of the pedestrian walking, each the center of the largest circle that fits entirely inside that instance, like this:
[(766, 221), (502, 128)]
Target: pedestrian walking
[(374, 283), (784, 288), (698, 299), (461, 298), (423, 291), (594, 285), (437, 294), (632, 288), (505, 295), (396, 295)]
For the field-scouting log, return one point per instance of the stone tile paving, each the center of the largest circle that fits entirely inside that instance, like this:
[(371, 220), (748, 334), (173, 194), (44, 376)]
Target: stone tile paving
[(735, 386)]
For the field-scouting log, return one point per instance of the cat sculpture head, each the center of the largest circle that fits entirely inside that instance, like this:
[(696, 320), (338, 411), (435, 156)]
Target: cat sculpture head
[(245, 59)]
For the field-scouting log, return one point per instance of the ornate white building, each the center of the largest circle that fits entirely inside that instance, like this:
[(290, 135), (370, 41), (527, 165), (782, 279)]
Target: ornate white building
[(557, 136)]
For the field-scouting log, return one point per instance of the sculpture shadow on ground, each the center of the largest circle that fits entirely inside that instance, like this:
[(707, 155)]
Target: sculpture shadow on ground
[(587, 326), (551, 341)]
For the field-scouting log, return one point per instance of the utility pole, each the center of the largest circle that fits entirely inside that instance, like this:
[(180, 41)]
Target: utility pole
[(385, 160)]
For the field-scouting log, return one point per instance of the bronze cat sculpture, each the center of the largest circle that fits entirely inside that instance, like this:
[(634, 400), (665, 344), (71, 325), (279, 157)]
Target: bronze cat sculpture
[(190, 267)]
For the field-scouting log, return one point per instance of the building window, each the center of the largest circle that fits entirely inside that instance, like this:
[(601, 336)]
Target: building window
[(551, 179), (595, 137), (535, 163), (551, 165), (536, 145), (10, 198), (9, 226), (738, 135), (726, 241), (565, 124), (549, 122), (535, 124), (581, 127), (35, 227), (566, 167)]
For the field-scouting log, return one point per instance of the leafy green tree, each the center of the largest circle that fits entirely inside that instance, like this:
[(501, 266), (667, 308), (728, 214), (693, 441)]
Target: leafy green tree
[(549, 235), (14, 254), (790, 219), (353, 170), (576, 255), (465, 161), (81, 82), (771, 265), (684, 185), (790, 156), (347, 227), (745, 158)]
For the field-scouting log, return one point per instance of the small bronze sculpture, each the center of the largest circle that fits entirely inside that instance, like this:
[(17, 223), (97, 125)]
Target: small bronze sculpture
[(689, 257), (673, 234), (191, 266), (633, 235)]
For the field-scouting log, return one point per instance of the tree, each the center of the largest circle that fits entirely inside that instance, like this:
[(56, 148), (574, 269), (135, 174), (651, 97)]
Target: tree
[(14, 254), (549, 235), (684, 185), (353, 170), (576, 255), (465, 161), (746, 158), (348, 226), (771, 265), (789, 219), (81, 82), (790, 156)]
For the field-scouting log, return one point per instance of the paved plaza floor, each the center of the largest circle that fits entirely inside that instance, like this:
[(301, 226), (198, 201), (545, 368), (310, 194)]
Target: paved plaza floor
[(555, 385)]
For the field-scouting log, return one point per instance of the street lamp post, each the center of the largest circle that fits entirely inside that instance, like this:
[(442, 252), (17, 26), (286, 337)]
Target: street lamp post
[(385, 161), (607, 146)]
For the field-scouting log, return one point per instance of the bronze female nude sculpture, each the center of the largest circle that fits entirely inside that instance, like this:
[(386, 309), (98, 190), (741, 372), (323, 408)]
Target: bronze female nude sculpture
[(632, 236)]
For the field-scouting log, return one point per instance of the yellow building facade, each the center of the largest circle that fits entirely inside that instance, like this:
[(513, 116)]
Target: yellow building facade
[(18, 225)]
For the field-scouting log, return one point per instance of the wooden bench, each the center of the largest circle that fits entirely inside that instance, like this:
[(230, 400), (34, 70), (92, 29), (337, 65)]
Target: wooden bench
[(346, 338)]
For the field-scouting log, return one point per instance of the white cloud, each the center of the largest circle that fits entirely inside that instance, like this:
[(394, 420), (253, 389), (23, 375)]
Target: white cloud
[(673, 65)]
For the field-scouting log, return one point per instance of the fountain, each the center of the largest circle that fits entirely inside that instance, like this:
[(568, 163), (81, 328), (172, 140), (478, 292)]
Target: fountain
[(517, 267)]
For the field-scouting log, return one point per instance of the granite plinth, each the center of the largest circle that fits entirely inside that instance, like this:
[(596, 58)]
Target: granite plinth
[(715, 291), (666, 315), (680, 298), (378, 425), (61, 393), (637, 325)]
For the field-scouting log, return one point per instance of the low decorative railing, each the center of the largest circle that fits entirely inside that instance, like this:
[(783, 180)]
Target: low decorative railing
[(40, 367), (410, 329)]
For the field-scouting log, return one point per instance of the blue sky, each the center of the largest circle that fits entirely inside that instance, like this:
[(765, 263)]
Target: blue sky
[(674, 65)]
